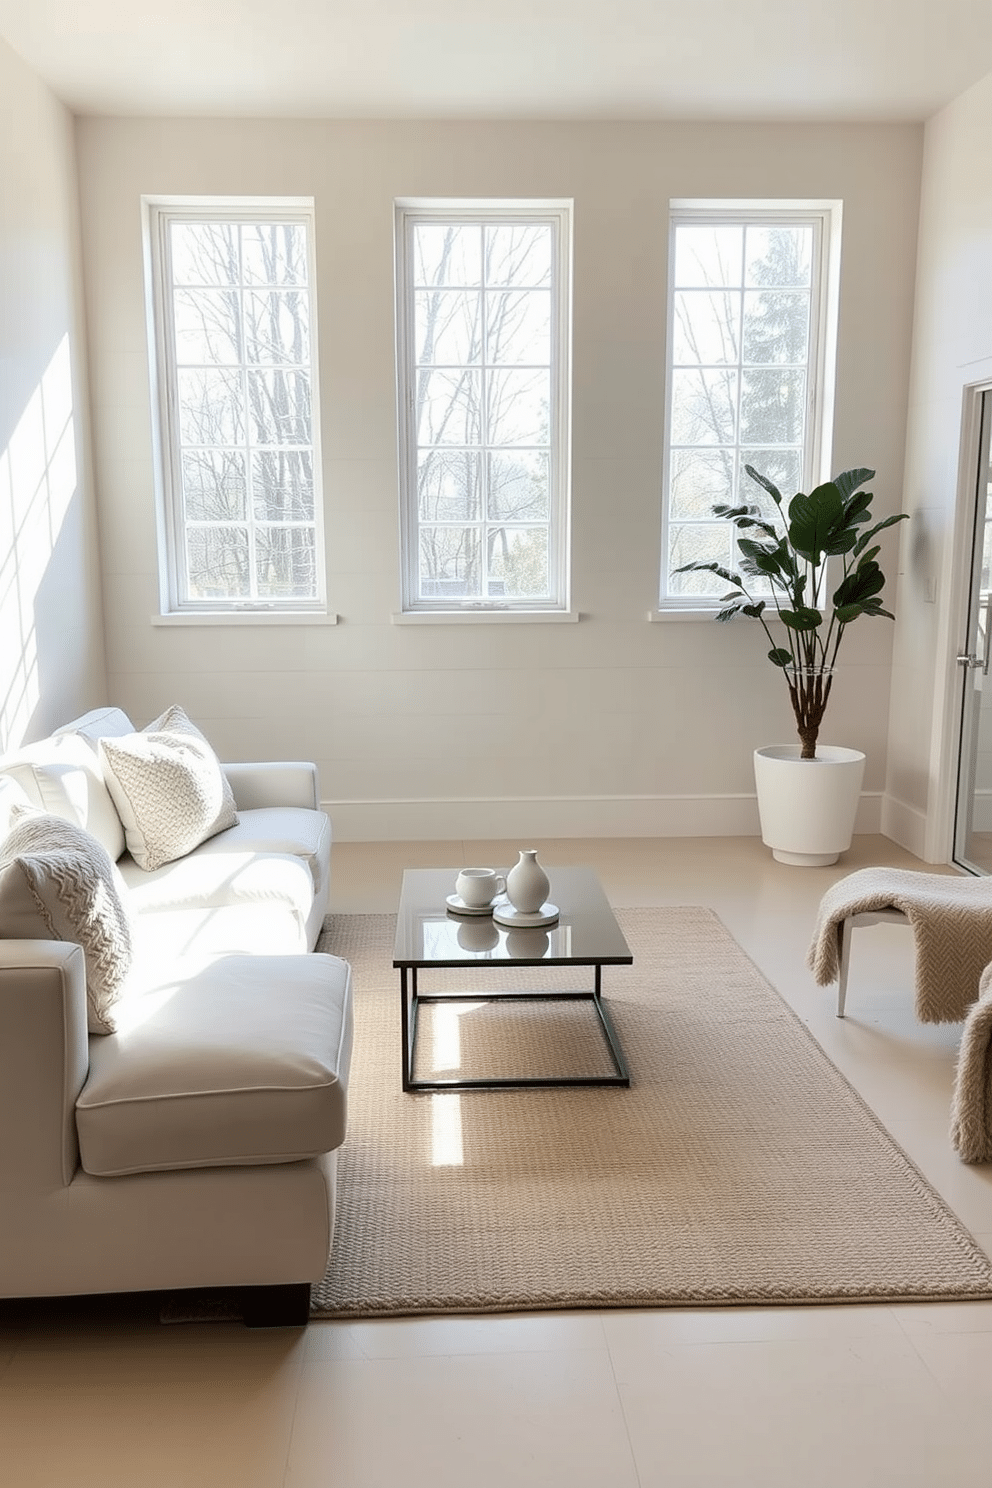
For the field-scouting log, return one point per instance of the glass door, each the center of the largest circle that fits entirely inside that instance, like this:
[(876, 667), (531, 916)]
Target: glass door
[(973, 813)]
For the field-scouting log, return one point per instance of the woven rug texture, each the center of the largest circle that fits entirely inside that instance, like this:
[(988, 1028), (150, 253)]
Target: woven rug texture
[(740, 1167)]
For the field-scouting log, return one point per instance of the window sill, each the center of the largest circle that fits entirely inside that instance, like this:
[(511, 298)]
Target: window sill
[(245, 617), (664, 617), (485, 617)]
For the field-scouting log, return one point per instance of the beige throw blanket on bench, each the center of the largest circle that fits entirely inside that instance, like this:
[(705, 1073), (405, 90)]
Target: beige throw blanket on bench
[(952, 923), (971, 1107)]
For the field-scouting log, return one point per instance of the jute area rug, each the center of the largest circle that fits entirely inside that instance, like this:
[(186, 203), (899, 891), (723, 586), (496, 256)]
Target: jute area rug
[(739, 1168)]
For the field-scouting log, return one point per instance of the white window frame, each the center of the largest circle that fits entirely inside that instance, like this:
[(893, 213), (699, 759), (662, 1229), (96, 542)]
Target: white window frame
[(826, 218), (409, 212), (158, 214)]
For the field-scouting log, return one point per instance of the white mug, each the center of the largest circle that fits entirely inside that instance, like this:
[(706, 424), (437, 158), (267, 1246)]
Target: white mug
[(478, 887)]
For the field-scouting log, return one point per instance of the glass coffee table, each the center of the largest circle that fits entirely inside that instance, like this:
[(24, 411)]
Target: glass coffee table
[(429, 938)]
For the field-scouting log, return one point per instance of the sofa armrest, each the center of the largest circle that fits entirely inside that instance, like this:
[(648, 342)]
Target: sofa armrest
[(44, 1061), (274, 783)]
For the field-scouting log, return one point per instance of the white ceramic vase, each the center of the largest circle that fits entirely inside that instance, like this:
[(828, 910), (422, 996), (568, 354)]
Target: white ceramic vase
[(807, 807), (527, 884)]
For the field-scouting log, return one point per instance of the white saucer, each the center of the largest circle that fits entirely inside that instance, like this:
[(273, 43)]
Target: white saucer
[(457, 905), (505, 914)]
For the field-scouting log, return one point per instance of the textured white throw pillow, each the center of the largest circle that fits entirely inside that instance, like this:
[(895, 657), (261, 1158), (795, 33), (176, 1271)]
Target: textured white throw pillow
[(57, 882), (169, 789)]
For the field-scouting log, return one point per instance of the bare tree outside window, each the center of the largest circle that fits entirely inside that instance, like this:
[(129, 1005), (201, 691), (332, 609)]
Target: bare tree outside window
[(744, 303), (482, 380), (238, 332)]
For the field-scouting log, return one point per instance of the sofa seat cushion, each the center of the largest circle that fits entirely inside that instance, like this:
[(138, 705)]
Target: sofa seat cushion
[(243, 1060), (209, 881), (281, 829), (168, 940)]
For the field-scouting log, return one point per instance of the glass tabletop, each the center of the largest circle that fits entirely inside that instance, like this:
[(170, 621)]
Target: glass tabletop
[(585, 934)]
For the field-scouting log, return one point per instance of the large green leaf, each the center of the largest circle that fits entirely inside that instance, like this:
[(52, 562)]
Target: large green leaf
[(866, 537), (765, 484), (812, 520), (866, 581), (780, 657), (850, 480), (802, 619), (716, 568)]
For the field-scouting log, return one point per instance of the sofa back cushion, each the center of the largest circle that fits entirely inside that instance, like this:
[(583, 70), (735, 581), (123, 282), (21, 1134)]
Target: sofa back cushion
[(57, 882), (168, 787), (63, 776)]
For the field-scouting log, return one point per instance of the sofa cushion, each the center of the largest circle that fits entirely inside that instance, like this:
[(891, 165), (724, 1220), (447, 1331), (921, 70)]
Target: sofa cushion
[(210, 881), (99, 723), (11, 797), (57, 883), (281, 829), (168, 787), (242, 1061), (63, 776), (169, 938)]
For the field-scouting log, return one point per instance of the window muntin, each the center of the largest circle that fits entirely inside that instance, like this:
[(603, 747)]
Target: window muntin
[(234, 339), (748, 310), (483, 322)]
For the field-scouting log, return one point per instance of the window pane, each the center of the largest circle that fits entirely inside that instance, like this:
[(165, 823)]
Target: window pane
[(705, 543), (700, 479), (520, 486), (772, 406), (211, 406), (205, 253), (274, 253), (282, 485), (284, 558), (518, 254), (206, 326), (447, 253), (277, 326), (706, 327), (704, 407), (779, 255), (448, 327), (214, 485), (217, 562), (708, 256), (520, 407), (280, 407), (776, 326), (518, 326), (449, 409), (518, 562), (448, 485), (450, 563)]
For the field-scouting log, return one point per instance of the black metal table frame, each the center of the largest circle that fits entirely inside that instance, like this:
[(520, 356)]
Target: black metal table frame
[(412, 999)]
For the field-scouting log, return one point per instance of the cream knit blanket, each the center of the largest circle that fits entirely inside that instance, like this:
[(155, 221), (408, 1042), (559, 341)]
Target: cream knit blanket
[(971, 1106), (951, 919)]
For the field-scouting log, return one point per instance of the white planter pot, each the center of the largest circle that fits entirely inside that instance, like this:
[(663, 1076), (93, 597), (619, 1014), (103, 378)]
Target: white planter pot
[(807, 807)]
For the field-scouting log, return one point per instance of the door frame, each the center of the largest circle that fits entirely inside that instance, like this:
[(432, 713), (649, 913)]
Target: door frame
[(956, 638)]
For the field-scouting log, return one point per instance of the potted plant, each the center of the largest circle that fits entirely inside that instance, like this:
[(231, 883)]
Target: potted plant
[(807, 796)]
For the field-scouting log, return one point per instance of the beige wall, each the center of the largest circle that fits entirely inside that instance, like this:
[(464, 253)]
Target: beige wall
[(51, 635), (952, 352), (611, 725)]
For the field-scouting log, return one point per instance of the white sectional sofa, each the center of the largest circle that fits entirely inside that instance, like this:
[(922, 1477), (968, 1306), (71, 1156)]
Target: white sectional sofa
[(195, 1144)]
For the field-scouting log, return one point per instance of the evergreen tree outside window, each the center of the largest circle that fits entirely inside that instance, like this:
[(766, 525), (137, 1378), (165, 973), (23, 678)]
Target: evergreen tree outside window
[(752, 312)]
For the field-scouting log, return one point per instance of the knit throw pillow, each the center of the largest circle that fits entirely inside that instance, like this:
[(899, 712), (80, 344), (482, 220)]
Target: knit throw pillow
[(57, 882), (169, 789)]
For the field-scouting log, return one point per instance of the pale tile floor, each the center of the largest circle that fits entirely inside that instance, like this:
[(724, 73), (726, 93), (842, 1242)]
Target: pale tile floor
[(100, 1394)]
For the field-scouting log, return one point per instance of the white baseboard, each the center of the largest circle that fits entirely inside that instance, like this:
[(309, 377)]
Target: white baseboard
[(447, 820), (904, 824)]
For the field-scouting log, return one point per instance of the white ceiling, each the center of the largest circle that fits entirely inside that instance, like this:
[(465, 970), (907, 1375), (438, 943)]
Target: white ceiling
[(528, 59)]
